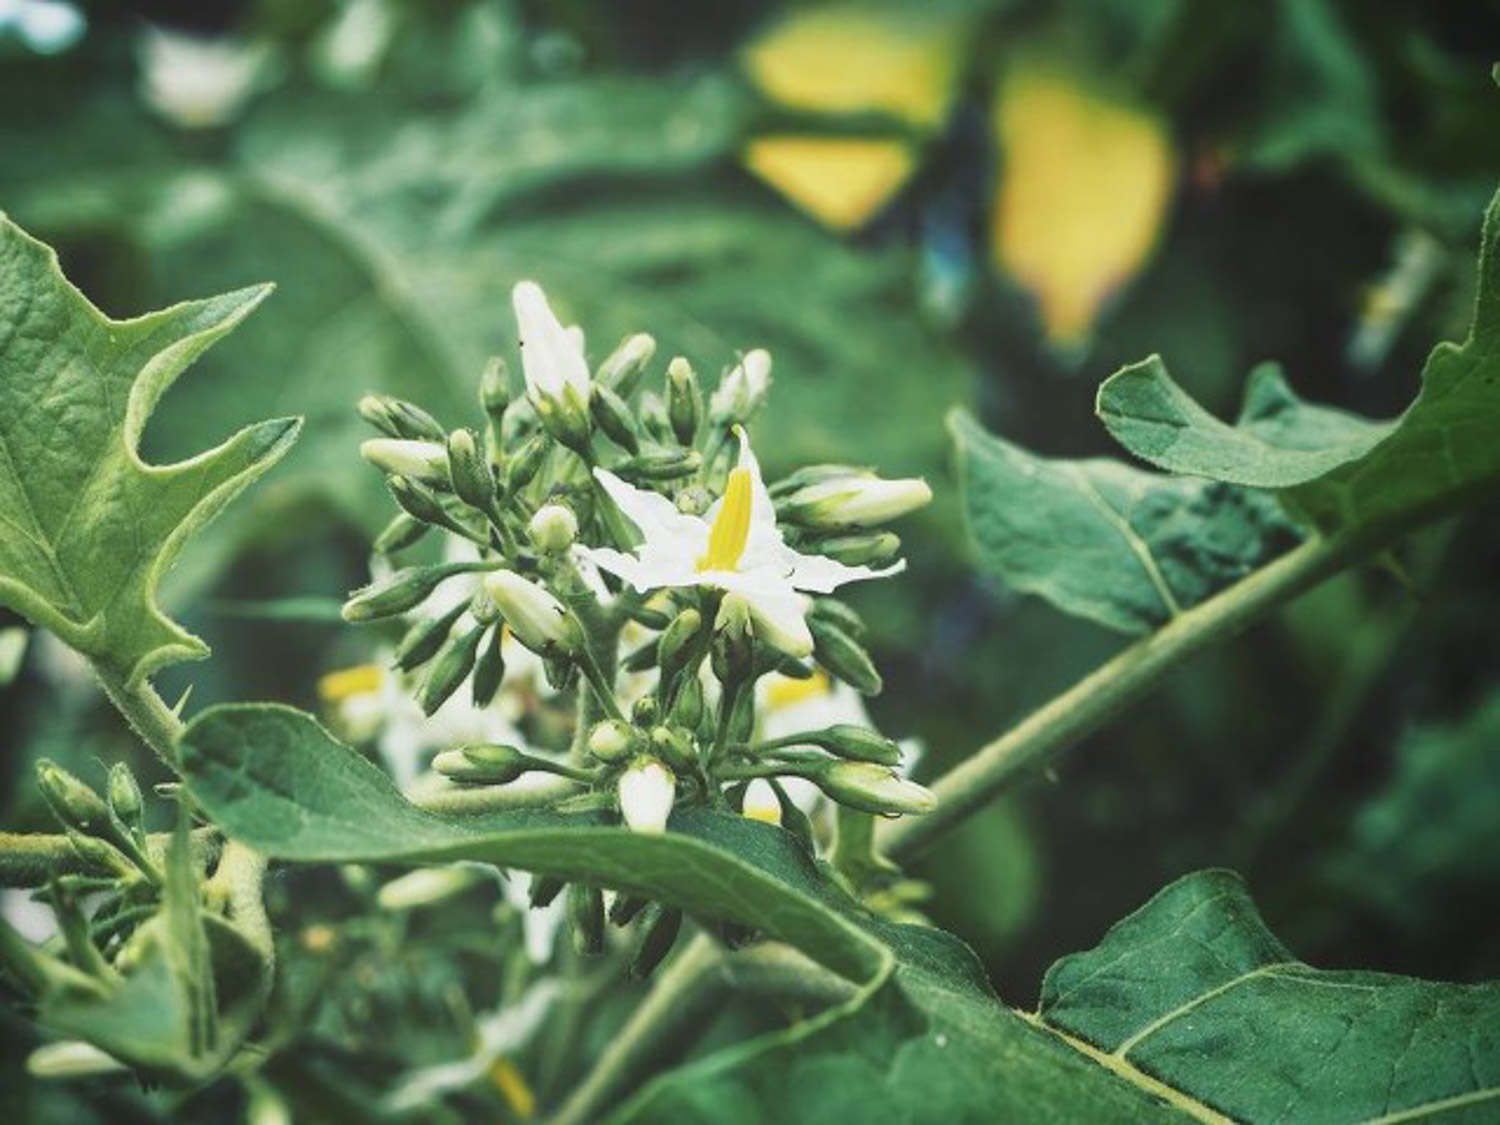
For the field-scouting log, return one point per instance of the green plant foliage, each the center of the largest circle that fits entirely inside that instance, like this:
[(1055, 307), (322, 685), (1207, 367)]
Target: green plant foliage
[(1126, 548), (1194, 990), (1341, 473), (90, 527)]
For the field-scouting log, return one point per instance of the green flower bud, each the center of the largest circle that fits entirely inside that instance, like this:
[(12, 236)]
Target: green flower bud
[(422, 503), (586, 919), (694, 500), (537, 619), (679, 642), (842, 655), (794, 820), (400, 591), (872, 788), (544, 888), (850, 741), (553, 529), (449, 667), (471, 476), (733, 645), (659, 929), (422, 641), (684, 400), (561, 672), (873, 548), (494, 389), (839, 613), (624, 909), (674, 746), (687, 707), (400, 533), (622, 370), (566, 419), (853, 502), (399, 418), (483, 764), (742, 718), (661, 464), (645, 712), (524, 462), (125, 795), (642, 658), (613, 740), (99, 855), (426, 461), (816, 474), (72, 801), (489, 670), (614, 418)]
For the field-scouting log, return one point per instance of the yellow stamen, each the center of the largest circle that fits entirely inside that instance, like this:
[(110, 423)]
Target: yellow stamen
[(513, 1088), (359, 680), (731, 529), (784, 691)]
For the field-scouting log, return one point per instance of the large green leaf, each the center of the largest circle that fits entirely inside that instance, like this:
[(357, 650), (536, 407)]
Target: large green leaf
[(89, 527), (1120, 546), (1194, 990), (1341, 472)]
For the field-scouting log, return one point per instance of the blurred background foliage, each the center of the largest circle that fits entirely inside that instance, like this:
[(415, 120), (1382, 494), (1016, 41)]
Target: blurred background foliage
[(912, 206)]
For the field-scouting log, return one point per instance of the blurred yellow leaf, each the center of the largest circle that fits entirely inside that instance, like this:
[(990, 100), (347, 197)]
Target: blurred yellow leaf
[(850, 58), (1084, 185), (840, 181)]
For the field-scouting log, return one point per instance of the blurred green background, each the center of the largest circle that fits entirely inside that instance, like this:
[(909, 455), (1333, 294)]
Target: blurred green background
[(913, 207)]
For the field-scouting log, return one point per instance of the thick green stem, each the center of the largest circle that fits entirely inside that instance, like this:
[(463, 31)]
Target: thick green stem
[(148, 715), (1105, 692), (27, 859)]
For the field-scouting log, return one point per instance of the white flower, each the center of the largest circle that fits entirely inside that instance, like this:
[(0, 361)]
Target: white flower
[(761, 802), (647, 789), (196, 82), (46, 26), (557, 376), (735, 547)]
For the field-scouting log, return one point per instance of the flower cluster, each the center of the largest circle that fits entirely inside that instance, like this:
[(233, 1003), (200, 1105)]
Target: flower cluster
[(624, 536)]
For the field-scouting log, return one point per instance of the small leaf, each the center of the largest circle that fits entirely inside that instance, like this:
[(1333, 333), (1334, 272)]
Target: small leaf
[(1193, 991), (1342, 472), (90, 528), (1122, 547)]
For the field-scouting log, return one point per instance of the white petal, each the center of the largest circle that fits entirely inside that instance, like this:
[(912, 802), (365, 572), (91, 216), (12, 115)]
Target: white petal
[(821, 575), (646, 793), (550, 358), (779, 613), (656, 517)]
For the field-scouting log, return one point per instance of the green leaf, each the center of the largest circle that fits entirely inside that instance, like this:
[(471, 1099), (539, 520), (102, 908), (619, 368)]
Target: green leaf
[(1341, 472), (1194, 990), (90, 528), (1126, 548)]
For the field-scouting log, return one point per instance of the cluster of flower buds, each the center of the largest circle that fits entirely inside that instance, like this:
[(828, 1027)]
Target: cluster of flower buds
[(606, 512)]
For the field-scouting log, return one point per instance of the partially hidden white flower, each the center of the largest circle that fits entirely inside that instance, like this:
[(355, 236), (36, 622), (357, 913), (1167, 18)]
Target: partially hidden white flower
[(647, 790), (538, 620), (735, 547), (742, 389), (198, 82), (46, 26), (760, 802), (557, 374)]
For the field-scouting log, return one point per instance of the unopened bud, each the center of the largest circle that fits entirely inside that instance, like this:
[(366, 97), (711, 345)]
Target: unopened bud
[(613, 740), (586, 919), (523, 464), (674, 746), (404, 530), (873, 788), (661, 464), (687, 707), (470, 473), (543, 889), (421, 642), (494, 388), (839, 613), (645, 712), (678, 642), (854, 502), (399, 592), (489, 670), (842, 655), (537, 619), (425, 886), (553, 529), (449, 668), (422, 503), (483, 764), (816, 474), (646, 792), (426, 461), (733, 645), (399, 418), (71, 800), (742, 390), (694, 500), (659, 929), (684, 400), (624, 909), (125, 795), (642, 658), (871, 548), (614, 418), (622, 370), (859, 743)]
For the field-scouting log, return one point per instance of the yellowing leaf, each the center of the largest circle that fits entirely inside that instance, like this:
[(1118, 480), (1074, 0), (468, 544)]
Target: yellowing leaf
[(840, 181), (1084, 185), (848, 58)]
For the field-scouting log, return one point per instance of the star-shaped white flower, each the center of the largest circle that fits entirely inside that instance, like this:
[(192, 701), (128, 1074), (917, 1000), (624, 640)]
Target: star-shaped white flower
[(735, 547)]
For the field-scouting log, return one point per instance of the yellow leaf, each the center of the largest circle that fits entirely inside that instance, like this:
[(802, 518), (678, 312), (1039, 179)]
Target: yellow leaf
[(1084, 185), (840, 181), (849, 58)]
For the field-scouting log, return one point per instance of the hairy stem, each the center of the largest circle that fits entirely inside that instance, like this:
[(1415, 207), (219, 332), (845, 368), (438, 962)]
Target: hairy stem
[(1109, 689), (147, 713), (27, 859)]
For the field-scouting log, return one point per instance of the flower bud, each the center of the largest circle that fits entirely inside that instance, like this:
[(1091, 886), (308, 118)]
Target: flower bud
[(677, 646), (842, 655), (537, 619), (694, 500), (645, 712), (421, 642), (551, 359), (553, 529), (839, 613), (622, 370), (614, 418), (659, 929), (873, 788), (483, 764), (646, 792), (449, 668), (642, 658), (684, 400), (742, 390), (471, 476), (661, 464), (860, 743), (687, 707), (613, 740), (399, 591), (70, 1058), (624, 909), (71, 800), (494, 388), (586, 919), (489, 670), (760, 802), (733, 645), (854, 502), (523, 464), (872, 548), (422, 503), (674, 746), (425, 461), (404, 530), (399, 418), (816, 474), (425, 886), (125, 799)]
